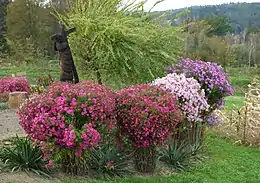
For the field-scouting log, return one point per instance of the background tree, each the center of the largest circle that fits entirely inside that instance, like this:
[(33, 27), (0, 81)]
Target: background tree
[(29, 26), (220, 25), (240, 15), (198, 44), (3, 44)]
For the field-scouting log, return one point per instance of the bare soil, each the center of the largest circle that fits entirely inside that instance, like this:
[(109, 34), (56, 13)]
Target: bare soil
[(22, 177)]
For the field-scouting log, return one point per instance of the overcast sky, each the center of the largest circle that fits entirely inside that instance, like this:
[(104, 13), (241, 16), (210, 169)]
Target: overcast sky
[(175, 4)]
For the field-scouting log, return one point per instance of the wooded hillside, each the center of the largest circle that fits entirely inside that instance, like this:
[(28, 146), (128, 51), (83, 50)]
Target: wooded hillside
[(240, 15)]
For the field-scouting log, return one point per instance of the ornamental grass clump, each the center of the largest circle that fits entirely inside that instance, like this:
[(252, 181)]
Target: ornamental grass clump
[(23, 155), (147, 116), (66, 120), (117, 43)]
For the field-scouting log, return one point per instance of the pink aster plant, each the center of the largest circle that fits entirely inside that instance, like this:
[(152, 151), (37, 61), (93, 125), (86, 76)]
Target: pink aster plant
[(68, 117), (14, 84), (147, 115), (192, 99)]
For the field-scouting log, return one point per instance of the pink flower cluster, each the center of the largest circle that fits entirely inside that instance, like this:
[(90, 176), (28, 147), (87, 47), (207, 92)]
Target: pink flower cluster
[(192, 99), (69, 115), (147, 115), (90, 138), (14, 84)]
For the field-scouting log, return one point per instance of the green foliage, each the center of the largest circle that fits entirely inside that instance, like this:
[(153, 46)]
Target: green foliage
[(3, 44), (32, 71), (180, 155), (120, 46), (23, 156), (241, 53), (3, 105), (241, 77), (45, 80), (224, 165), (220, 25), (200, 46), (41, 83), (108, 161), (29, 26), (234, 103), (217, 50)]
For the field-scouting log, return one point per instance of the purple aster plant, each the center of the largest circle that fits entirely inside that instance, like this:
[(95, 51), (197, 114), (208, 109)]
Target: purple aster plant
[(211, 77)]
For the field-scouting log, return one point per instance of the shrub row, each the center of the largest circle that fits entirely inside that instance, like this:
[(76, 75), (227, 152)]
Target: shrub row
[(70, 122)]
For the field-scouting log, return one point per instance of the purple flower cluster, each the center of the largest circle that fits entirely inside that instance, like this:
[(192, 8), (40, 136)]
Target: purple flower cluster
[(212, 120), (191, 97), (211, 77)]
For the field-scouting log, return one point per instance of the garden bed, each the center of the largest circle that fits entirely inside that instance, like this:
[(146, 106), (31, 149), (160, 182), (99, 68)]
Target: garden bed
[(92, 131)]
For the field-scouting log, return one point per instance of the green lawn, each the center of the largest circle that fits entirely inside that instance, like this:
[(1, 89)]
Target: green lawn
[(31, 72), (234, 102), (241, 77), (227, 163)]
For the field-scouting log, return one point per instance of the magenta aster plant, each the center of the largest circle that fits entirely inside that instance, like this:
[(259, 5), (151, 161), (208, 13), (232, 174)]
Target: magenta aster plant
[(69, 116), (14, 84), (211, 77), (192, 99), (147, 115)]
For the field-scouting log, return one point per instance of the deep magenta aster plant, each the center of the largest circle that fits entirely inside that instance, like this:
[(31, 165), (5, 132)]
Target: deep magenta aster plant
[(147, 115), (211, 76), (69, 116), (14, 84), (192, 99)]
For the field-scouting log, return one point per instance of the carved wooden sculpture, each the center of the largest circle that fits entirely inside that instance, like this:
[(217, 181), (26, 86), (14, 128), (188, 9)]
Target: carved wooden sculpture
[(68, 70)]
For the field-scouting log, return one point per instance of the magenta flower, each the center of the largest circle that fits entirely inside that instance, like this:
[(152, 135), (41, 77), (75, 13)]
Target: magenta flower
[(147, 115), (14, 84), (68, 116)]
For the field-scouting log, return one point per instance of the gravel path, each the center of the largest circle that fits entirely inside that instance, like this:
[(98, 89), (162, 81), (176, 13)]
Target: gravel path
[(9, 124), (9, 127)]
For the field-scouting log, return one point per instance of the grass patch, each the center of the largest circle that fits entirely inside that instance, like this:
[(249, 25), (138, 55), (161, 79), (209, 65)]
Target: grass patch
[(227, 163), (241, 77), (234, 102), (31, 72)]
